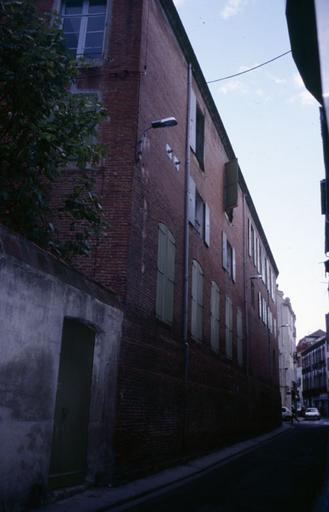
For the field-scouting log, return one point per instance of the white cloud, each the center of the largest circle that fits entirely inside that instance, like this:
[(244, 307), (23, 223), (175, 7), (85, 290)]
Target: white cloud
[(276, 79), (233, 86), (232, 8)]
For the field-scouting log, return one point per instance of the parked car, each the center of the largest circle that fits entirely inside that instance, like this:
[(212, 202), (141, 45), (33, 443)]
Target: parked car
[(312, 413), (286, 413)]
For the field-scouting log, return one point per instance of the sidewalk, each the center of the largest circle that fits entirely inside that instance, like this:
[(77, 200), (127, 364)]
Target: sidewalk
[(101, 499)]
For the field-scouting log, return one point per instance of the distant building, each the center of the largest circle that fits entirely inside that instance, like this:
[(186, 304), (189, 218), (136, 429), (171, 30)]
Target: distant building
[(287, 348), (314, 356)]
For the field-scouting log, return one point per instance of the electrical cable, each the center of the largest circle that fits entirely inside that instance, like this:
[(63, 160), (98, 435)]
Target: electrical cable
[(250, 69)]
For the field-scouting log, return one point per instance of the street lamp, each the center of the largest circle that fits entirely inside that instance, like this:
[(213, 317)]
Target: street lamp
[(165, 122)]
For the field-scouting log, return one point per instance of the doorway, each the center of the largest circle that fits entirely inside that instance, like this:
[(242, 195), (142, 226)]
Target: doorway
[(68, 463)]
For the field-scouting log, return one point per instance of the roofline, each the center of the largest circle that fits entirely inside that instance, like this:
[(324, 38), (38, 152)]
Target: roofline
[(187, 49)]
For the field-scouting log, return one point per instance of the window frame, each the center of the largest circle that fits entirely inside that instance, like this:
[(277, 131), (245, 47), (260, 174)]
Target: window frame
[(83, 29)]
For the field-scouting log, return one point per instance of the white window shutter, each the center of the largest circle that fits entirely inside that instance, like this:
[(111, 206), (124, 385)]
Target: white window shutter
[(224, 250), (249, 237), (193, 120), (191, 200), (233, 265), (207, 225), (260, 305)]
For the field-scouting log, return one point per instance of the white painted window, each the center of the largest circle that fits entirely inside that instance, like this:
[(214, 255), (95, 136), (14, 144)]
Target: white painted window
[(165, 275), (197, 302), (83, 23), (228, 328), (214, 316)]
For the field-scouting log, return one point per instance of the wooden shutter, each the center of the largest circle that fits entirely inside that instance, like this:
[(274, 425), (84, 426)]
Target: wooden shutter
[(170, 278), (194, 299), (165, 275), (260, 305), (249, 237), (207, 225), (239, 336), (233, 265), (161, 279), (214, 316), (231, 181), (224, 250), (191, 200), (228, 322), (199, 143), (193, 120), (199, 300)]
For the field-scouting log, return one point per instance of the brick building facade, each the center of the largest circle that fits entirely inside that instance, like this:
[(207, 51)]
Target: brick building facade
[(185, 251)]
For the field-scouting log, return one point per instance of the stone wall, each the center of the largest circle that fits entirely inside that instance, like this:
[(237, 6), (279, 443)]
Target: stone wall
[(37, 293)]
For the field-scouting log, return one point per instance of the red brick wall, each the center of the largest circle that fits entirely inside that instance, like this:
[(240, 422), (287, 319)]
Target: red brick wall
[(161, 417)]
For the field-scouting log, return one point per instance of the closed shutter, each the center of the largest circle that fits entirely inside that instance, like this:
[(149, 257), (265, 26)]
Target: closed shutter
[(239, 329), (197, 301), (224, 251), (194, 299), (170, 282), (214, 317), (193, 121), (165, 275), (161, 267), (207, 225), (231, 184), (249, 237), (228, 323), (191, 200)]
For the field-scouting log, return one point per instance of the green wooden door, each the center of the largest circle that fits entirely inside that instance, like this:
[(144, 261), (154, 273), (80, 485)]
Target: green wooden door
[(69, 449)]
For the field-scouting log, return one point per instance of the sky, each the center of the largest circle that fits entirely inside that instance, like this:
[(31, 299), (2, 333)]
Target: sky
[(273, 124)]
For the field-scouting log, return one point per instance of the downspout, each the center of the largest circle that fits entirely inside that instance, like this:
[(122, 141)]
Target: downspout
[(185, 298), (185, 309)]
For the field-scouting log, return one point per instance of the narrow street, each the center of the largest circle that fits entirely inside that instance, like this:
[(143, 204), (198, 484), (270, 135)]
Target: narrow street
[(285, 474)]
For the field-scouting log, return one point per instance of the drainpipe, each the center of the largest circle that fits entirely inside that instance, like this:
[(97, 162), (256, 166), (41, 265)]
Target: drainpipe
[(185, 298), (186, 229)]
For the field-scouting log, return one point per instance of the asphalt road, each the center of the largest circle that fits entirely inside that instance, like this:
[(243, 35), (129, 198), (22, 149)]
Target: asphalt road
[(283, 475)]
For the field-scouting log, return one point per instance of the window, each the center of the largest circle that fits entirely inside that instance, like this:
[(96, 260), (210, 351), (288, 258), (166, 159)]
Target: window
[(231, 181), (165, 275), (228, 328), (197, 301), (239, 335), (229, 258), (197, 130), (214, 316), (84, 26), (198, 213)]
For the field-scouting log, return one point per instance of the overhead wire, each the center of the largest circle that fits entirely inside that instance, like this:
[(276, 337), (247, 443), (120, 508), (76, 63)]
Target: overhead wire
[(250, 69)]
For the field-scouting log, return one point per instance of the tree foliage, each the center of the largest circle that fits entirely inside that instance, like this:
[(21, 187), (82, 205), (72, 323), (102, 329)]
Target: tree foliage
[(43, 129)]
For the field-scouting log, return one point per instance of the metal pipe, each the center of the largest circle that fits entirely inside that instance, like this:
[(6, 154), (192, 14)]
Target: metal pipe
[(185, 303)]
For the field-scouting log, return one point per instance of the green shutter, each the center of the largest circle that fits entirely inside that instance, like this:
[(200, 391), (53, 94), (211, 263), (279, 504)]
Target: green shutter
[(194, 299), (165, 274), (231, 181), (239, 336), (214, 317)]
